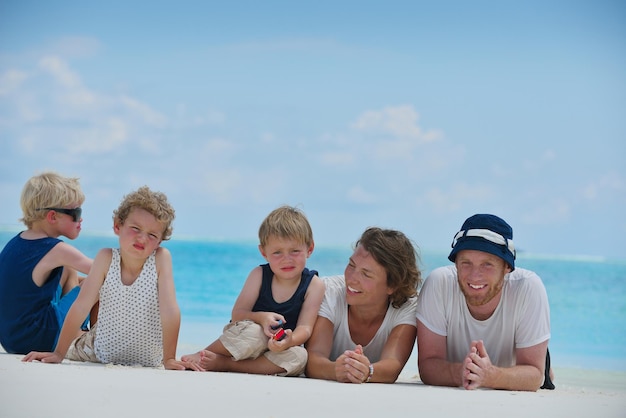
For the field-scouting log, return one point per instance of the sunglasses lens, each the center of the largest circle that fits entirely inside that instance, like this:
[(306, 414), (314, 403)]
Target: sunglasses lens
[(76, 214)]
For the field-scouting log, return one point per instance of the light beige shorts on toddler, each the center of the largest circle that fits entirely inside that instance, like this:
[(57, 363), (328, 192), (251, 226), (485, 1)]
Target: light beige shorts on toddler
[(82, 348), (246, 340)]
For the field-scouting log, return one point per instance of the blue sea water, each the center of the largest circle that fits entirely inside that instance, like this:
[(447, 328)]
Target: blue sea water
[(587, 295)]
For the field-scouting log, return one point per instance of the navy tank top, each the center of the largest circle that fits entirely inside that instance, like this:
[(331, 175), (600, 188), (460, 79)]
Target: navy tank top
[(290, 309), (28, 321)]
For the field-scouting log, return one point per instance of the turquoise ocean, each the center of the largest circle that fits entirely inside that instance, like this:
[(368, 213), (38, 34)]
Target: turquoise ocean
[(587, 295)]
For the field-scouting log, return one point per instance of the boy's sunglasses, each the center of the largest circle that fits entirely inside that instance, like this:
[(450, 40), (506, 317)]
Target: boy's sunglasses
[(74, 213)]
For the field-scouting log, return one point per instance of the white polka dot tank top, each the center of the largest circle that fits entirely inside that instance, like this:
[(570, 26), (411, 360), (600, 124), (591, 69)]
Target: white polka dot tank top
[(129, 324)]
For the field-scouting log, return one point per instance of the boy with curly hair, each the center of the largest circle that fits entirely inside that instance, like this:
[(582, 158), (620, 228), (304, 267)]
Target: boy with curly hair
[(138, 318)]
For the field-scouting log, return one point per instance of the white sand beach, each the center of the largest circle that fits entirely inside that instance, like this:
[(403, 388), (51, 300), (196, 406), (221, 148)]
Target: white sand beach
[(74, 389)]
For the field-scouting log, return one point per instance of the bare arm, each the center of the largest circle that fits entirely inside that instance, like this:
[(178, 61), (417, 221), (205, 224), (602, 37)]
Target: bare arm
[(246, 300), (308, 313), (74, 258), (434, 369), (353, 365), (527, 374), (395, 354), (477, 370), (170, 312), (62, 254), (318, 348), (86, 299), (168, 307)]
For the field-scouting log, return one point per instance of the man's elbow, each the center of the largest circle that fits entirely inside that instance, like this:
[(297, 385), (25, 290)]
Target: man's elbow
[(429, 378), (537, 382), (312, 370), (426, 373)]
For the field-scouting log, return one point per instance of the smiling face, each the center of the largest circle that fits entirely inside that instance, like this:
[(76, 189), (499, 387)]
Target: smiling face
[(286, 256), (481, 277), (366, 280), (140, 234)]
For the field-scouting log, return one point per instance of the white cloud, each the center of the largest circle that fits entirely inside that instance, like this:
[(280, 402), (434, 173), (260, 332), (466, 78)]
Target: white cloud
[(70, 114), (76, 46), (102, 136), (268, 138), (72, 98), (11, 80), (240, 184), (147, 114), (590, 191), (61, 72), (538, 162), (27, 109), (458, 196), (59, 115), (393, 150), (218, 147), (547, 212), (282, 45), (211, 117), (358, 194), (548, 155), (337, 158), (610, 184), (392, 133), (378, 138), (185, 117), (400, 122), (221, 185)]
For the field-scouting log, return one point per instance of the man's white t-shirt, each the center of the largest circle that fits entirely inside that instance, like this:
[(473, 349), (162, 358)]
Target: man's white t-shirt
[(521, 320), (335, 309)]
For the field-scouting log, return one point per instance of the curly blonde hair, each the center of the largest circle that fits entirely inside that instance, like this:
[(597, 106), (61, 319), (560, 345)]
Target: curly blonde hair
[(153, 202), (398, 256), (48, 190)]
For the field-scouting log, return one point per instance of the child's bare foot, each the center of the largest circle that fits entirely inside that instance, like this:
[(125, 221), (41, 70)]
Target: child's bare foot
[(210, 361), (193, 358)]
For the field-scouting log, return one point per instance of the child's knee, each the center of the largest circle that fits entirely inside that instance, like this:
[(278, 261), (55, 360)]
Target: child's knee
[(293, 360), (244, 339)]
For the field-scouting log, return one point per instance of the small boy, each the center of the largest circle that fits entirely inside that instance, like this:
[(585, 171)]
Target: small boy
[(138, 317), (277, 307), (38, 271)]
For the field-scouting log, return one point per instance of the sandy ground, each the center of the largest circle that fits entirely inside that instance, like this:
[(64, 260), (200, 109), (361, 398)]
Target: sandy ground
[(74, 389)]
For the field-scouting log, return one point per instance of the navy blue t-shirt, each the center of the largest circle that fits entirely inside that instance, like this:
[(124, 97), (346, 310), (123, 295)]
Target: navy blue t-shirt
[(28, 321), (291, 308)]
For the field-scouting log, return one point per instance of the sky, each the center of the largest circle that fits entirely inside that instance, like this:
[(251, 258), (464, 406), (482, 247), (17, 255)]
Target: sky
[(410, 115)]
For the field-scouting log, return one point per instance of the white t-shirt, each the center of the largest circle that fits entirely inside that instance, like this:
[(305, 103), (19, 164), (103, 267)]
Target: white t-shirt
[(335, 309), (521, 319)]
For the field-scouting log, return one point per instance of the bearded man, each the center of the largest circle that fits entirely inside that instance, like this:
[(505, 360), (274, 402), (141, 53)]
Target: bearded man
[(481, 322)]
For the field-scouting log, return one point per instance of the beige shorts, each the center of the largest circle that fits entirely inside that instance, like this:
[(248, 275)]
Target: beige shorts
[(82, 348), (246, 340)]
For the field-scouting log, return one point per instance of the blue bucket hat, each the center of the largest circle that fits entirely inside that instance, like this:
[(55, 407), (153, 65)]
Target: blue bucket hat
[(487, 233)]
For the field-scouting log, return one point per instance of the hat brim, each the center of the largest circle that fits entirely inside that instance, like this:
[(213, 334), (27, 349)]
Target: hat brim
[(481, 244)]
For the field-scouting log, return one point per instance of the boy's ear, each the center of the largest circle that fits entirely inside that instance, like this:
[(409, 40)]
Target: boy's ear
[(311, 247), (262, 251), (51, 216)]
